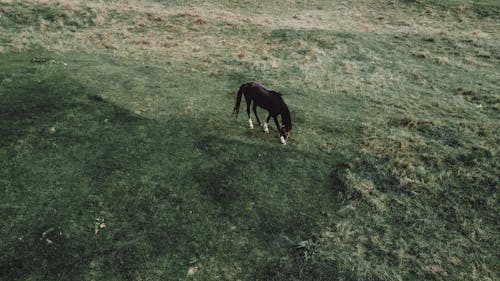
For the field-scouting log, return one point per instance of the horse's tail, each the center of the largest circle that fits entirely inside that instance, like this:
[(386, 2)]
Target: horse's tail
[(236, 109)]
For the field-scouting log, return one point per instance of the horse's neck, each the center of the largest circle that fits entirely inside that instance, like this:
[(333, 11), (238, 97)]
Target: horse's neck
[(285, 115)]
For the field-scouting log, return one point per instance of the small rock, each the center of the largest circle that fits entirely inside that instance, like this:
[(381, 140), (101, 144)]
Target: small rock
[(433, 267), (191, 271), (38, 59), (328, 234)]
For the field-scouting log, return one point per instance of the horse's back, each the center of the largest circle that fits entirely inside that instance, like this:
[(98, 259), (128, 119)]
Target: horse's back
[(263, 97), (254, 87)]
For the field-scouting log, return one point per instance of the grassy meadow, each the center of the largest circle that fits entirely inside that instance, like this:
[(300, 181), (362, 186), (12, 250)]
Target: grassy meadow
[(120, 158)]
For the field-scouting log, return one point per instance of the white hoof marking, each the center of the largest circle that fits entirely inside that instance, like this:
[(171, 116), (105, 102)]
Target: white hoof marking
[(282, 140), (250, 124), (266, 129)]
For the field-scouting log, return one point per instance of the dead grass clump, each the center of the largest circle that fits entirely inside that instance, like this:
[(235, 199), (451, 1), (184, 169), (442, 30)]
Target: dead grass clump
[(142, 41), (466, 91), (462, 7), (139, 21), (43, 24), (478, 33), (20, 41), (311, 54), (190, 15), (200, 21), (357, 188), (399, 146), (442, 60), (347, 67), (168, 43), (425, 54), (413, 122), (109, 45), (155, 16), (99, 20)]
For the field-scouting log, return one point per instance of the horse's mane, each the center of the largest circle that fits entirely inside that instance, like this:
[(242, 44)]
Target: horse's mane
[(285, 112), (285, 115)]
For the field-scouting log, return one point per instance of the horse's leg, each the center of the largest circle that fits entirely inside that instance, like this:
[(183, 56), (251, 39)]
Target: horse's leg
[(249, 102), (282, 139), (266, 129), (255, 112)]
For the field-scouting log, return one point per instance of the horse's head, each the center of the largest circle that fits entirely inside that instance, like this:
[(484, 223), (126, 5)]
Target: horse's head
[(285, 131)]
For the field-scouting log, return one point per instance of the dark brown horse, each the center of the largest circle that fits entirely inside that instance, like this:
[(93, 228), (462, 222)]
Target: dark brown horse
[(269, 100)]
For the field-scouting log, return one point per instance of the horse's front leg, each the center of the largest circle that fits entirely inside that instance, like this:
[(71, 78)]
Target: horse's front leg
[(282, 138), (266, 129)]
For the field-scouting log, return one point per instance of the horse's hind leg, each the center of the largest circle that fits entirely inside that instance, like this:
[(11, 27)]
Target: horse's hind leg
[(249, 102), (255, 112)]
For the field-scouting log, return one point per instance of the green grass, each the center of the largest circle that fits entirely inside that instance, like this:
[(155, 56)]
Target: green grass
[(120, 159)]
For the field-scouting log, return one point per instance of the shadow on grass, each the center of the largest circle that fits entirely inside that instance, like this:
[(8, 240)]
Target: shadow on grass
[(85, 183), (92, 190), (258, 188)]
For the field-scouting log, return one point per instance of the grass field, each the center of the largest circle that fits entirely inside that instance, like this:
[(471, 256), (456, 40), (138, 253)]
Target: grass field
[(120, 159)]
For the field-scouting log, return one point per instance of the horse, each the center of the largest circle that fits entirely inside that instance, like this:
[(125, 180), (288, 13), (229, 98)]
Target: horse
[(269, 100)]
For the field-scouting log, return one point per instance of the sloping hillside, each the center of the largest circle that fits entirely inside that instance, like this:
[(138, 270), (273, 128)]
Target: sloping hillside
[(120, 159)]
